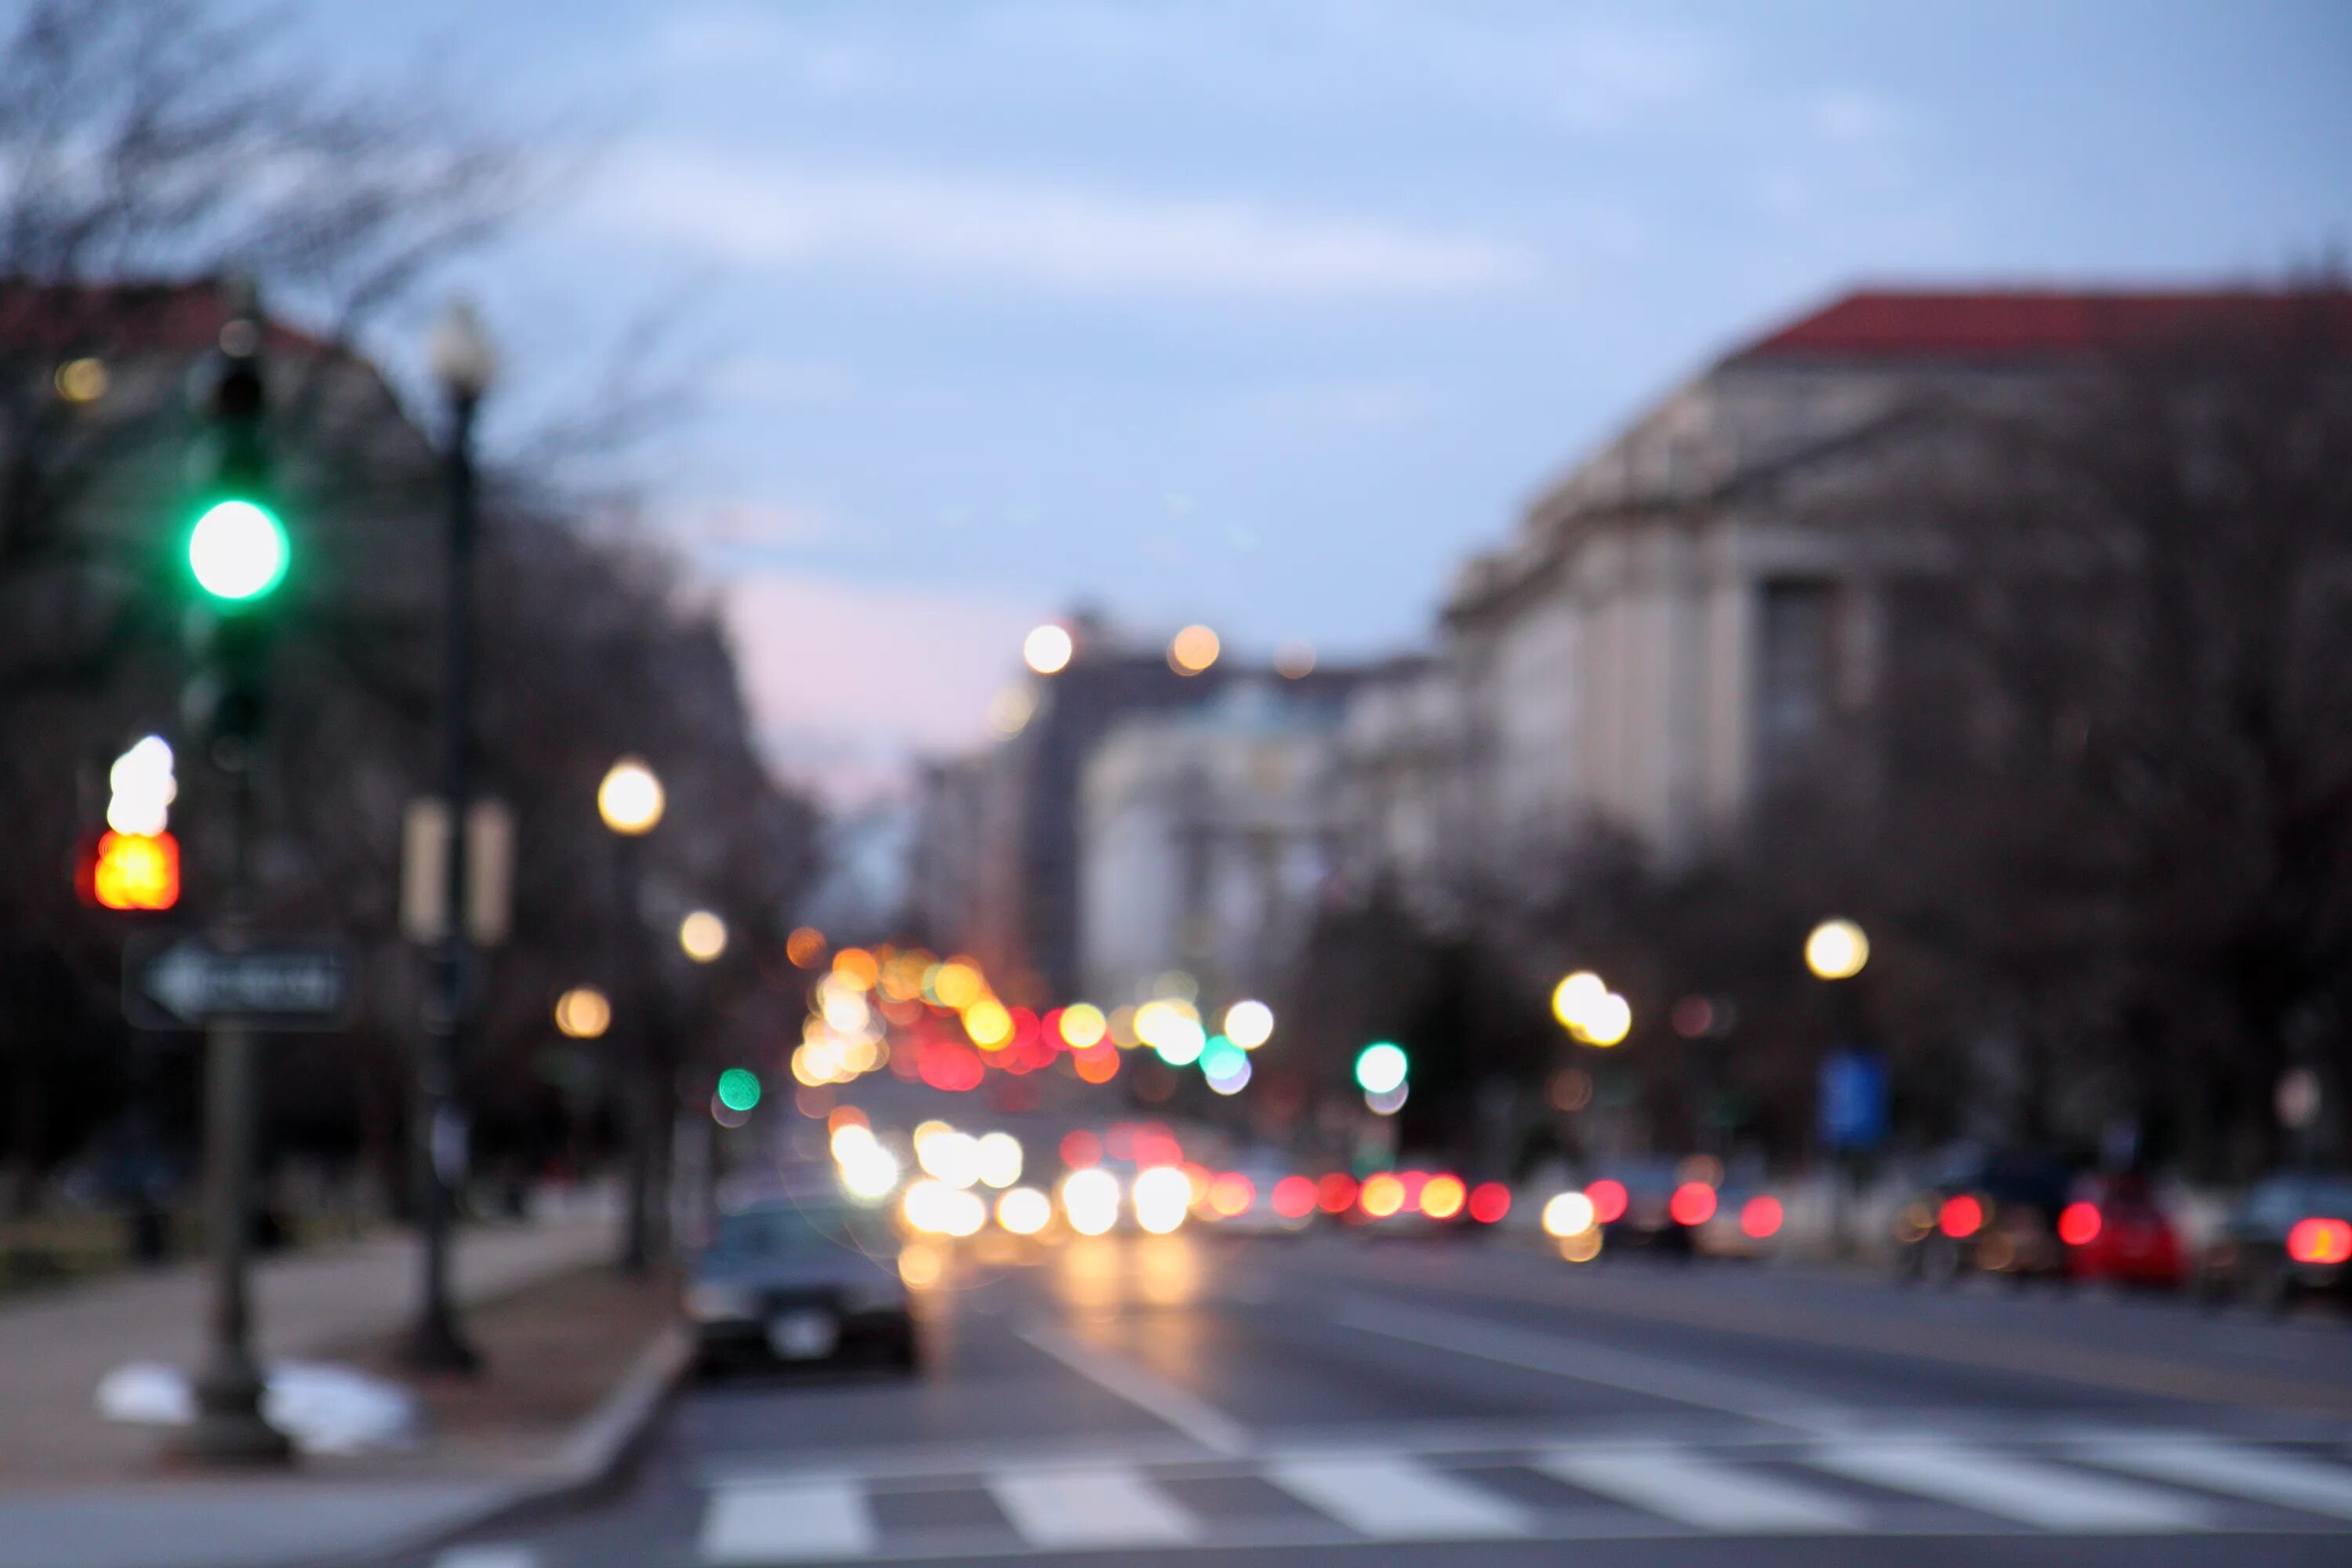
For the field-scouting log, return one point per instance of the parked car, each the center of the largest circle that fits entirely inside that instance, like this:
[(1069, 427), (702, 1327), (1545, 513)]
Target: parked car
[(2114, 1231), (2291, 1237), (800, 1280), (1746, 1223), (1991, 1215)]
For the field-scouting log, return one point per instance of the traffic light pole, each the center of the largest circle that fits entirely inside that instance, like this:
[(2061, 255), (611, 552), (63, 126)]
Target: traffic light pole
[(228, 1425), (435, 1344)]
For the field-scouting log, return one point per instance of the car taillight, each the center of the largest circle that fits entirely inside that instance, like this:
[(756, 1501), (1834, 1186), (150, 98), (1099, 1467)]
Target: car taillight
[(1962, 1217), (1608, 1201), (2078, 1224), (1489, 1202), (1693, 1203), (2317, 1240), (1760, 1216)]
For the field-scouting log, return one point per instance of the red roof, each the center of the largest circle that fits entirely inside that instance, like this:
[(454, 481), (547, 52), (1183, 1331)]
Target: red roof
[(2029, 323), (142, 318)]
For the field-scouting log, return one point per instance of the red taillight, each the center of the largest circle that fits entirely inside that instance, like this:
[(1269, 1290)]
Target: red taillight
[(1759, 1217), (1336, 1194), (1608, 1201), (2317, 1240), (1294, 1198), (1962, 1217), (1693, 1203), (1489, 1202), (2078, 1224), (1081, 1149)]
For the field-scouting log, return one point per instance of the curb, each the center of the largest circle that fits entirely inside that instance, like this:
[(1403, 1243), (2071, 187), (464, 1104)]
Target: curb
[(594, 1459)]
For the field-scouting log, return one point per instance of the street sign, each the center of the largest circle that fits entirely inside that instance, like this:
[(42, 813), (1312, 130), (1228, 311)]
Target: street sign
[(1853, 1100), (177, 981)]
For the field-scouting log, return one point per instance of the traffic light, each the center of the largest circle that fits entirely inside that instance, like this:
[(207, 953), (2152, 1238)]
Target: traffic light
[(237, 546), (135, 863)]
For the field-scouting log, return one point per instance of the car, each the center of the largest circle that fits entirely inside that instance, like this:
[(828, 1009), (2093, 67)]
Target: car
[(2290, 1237), (1645, 1204), (800, 1279), (1746, 1223), (2113, 1231), (1985, 1214)]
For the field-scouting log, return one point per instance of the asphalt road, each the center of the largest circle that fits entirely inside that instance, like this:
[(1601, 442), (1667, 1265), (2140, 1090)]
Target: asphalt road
[(1205, 1399)]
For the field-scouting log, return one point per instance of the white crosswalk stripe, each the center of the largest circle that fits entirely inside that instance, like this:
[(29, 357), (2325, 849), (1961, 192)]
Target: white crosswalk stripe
[(1695, 1490), (1393, 1499), (2265, 1475), (487, 1555), (793, 1522), (2030, 1491), (1113, 1506)]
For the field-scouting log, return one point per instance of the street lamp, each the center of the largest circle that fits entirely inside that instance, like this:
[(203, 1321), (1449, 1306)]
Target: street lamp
[(703, 936), (1836, 950), (630, 800), (464, 363)]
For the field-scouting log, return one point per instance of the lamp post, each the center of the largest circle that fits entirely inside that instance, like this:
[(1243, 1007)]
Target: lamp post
[(1852, 1083), (630, 801), (464, 363)]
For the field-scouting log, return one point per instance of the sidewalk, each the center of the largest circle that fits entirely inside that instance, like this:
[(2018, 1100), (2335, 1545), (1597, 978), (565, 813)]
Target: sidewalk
[(558, 1330)]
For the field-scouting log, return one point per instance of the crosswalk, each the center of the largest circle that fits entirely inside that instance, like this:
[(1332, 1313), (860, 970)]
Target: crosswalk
[(2080, 1484)]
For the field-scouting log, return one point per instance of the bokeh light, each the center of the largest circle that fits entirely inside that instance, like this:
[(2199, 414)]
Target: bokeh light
[(1759, 1217), (1090, 1201), (1489, 1202), (1609, 1199), (1249, 1023), (1083, 1025), (805, 947), (739, 1089), (1382, 1195), (1295, 659), (1025, 1211), (703, 935), (582, 1013), (1442, 1197), (1568, 1214), (1047, 648), (1693, 1203), (1162, 1195), (1193, 651), (999, 1155), (1836, 950), (630, 799)]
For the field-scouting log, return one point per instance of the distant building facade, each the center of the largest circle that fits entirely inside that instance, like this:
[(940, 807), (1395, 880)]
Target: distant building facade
[(1206, 837)]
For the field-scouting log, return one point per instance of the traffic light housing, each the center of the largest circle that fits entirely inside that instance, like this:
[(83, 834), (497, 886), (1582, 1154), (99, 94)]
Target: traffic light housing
[(235, 548)]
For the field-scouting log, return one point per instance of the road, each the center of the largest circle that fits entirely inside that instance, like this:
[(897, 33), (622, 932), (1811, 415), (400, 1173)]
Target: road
[(1228, 1402)]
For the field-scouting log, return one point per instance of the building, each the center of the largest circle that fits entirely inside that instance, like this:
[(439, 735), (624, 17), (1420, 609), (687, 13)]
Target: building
[(1680, 624), (997, 864), (1206, 837)]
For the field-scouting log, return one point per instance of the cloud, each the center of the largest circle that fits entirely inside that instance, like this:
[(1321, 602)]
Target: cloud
[(1060, 237)]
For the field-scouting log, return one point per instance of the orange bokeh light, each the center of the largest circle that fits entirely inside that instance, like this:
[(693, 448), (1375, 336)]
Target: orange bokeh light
[(1382, 1195)]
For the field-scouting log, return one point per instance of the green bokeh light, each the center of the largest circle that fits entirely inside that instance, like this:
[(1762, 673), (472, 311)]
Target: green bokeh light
[(1380, 1068), (238, 550), (739, 1089), (1220, 1059)]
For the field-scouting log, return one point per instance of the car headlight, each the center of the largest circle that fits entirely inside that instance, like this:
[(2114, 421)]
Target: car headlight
[(707, 1303), (872, 1295)]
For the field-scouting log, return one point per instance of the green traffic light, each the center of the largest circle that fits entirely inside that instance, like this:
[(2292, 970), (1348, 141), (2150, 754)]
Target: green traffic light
[(1380, 1068), (739, 1089), (238, 550)]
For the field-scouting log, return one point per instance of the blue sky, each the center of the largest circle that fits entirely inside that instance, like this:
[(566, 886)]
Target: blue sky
[(1267, 312)]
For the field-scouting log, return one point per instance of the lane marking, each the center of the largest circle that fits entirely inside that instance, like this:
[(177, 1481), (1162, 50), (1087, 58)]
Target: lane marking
[(2031, 1493), (1210, 1428), (1588, 1362), (1838, 1325), (1683, 1486), (1108, 1506), (2290, 1480), (797, 1521), (1396, 1499)]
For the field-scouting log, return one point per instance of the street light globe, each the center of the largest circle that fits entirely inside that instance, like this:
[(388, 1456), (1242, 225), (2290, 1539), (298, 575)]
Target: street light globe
[(630, 799), (703, 935), (459, 353), (1047, 648), (1836, 950), (582, 1013)]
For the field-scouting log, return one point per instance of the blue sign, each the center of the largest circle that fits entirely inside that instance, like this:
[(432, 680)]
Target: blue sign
[(1853, 1100)]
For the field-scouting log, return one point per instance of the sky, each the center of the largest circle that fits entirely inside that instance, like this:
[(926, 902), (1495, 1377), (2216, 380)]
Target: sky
[(1268, 313)]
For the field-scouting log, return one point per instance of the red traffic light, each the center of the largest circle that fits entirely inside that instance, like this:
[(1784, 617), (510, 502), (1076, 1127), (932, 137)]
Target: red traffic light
[(133, 871)]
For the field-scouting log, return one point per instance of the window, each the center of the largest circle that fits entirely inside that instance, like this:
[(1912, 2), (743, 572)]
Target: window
[(1796, 670)]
